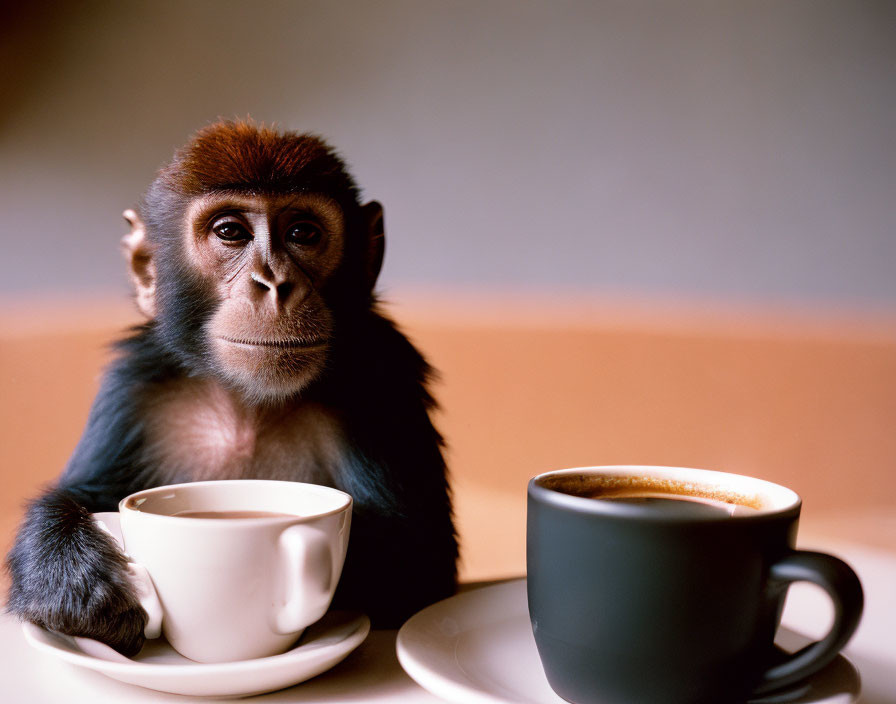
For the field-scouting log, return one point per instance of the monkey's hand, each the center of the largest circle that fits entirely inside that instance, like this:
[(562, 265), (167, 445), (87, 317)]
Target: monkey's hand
[(69, 576)]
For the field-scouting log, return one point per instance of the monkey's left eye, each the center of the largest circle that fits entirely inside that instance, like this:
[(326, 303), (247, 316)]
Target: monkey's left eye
[(305, 233), (231, 231)]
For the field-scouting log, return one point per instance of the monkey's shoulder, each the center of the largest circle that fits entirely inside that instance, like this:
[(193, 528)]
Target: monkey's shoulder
[(376, 358)]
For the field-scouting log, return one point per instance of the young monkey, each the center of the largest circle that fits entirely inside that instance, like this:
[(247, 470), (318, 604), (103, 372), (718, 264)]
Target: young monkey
[(264, 355)]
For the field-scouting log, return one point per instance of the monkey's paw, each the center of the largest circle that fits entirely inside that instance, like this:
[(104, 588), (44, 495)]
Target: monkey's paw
[(70, 577)]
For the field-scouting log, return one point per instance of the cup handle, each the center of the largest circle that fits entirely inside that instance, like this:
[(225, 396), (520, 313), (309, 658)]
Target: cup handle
[(309, 576), (110, 523), (843, 586)]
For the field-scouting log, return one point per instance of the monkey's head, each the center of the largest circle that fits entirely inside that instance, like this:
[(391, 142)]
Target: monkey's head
[(249, 251)]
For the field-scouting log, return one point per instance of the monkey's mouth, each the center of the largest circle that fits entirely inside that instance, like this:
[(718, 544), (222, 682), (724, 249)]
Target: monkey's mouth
[(277, 344)]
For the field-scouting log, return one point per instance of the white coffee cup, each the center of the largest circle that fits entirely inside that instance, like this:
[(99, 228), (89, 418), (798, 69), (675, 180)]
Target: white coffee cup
[(234, 588)]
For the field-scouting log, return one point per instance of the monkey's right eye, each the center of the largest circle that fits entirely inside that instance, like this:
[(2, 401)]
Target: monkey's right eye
[(231, 231)]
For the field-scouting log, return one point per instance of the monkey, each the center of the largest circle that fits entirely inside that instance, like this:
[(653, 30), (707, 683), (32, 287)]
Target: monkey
[(265, 354)]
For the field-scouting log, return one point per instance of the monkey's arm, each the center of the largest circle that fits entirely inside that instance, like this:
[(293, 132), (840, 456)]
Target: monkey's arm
[(66, 574), (403, 549), (396, 566)]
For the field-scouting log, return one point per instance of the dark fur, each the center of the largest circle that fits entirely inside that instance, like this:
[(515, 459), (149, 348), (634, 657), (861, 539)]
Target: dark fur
[(67, 576)]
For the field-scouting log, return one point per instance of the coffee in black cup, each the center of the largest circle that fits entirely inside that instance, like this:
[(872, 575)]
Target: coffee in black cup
[(669, 497)]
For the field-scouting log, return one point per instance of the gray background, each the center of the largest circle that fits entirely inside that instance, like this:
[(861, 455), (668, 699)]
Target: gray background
[(725, 150)]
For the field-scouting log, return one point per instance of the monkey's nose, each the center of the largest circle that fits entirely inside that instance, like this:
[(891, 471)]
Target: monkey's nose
[(280, 294)]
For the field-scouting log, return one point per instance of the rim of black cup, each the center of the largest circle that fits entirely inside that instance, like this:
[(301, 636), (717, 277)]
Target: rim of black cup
[(769, 499)]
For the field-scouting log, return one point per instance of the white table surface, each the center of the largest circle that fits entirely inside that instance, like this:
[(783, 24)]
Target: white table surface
[(372, 673)]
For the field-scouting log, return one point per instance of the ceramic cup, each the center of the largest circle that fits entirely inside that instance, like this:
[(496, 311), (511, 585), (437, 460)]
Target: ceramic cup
[(227, 589), (632, 601)]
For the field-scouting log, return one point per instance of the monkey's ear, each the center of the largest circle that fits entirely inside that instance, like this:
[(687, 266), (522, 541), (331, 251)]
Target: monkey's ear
[(140, 263), (372, 213)]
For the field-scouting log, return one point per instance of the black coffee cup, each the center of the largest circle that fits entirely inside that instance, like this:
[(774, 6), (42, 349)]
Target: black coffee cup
[(665, 585)]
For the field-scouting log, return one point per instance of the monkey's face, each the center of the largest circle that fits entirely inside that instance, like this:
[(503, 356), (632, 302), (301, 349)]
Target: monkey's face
[(267, 260)]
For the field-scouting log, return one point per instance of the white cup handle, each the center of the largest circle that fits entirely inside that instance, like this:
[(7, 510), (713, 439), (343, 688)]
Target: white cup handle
[(308, 563), (110, 523)]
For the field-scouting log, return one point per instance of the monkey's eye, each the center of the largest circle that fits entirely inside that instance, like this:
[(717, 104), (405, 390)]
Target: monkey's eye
[(304, 233), (230, 231)]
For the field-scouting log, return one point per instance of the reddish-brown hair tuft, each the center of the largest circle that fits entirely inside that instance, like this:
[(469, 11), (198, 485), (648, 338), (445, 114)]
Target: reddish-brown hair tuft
[(249, 158)]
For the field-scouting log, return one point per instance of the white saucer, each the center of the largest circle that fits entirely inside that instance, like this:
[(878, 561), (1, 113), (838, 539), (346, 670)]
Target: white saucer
[(477, 648), (158, 666)]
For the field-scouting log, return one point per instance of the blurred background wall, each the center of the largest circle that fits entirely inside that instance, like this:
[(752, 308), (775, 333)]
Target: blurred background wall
[(692, 149), (657, 232)]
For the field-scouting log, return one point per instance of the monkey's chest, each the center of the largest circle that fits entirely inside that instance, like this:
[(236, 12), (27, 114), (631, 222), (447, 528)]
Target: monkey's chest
[(196, 433)]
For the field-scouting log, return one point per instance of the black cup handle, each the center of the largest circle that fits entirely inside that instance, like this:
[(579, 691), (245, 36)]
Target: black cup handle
[(841, 583)]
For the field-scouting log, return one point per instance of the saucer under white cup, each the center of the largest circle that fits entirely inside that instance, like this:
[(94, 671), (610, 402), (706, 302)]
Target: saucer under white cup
[(158, 666), (477, 648)]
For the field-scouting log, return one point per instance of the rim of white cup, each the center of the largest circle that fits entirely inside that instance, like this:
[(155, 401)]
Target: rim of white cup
[(347, 502)]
